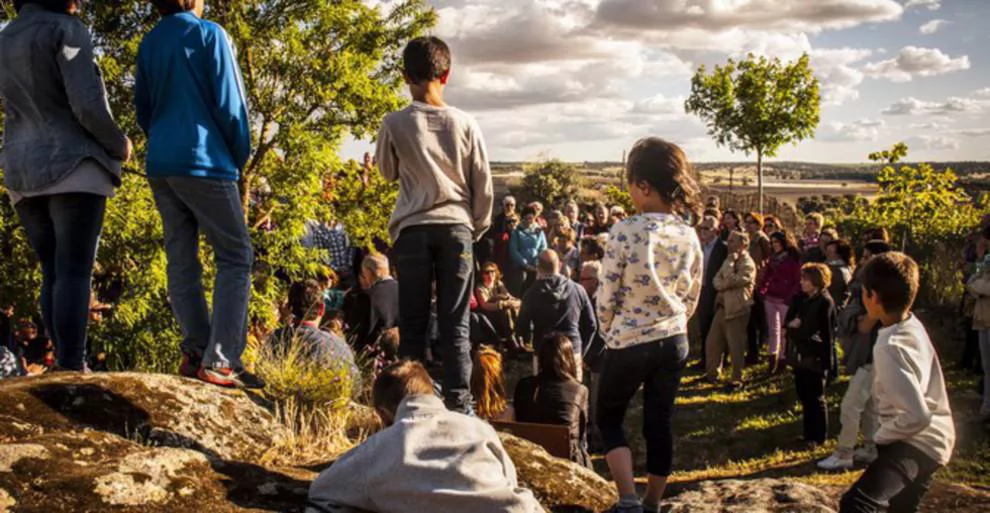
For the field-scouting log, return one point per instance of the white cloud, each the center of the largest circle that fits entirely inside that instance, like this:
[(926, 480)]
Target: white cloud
[(718, 15), (933, 143), (859, 131), (837, 73), (912, 106), (982, 93), (974, 132), (932, 5), (932, 26), (916, 62)]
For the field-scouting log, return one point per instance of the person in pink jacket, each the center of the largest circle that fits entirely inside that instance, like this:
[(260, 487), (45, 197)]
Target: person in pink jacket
[(781, 282)]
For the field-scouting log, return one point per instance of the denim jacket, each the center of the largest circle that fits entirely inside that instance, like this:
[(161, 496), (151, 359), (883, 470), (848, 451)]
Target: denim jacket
[(55, 100)]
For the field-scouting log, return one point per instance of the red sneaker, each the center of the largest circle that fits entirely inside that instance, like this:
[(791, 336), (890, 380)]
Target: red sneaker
[(189, 366), (219, 376)]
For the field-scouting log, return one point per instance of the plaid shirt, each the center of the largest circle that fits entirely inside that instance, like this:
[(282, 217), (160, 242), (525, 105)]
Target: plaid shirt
[(333, 239)]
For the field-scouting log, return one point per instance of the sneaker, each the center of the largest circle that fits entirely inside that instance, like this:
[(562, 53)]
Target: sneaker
[(220, 376), (837, 462), (245, 379), (190, 365), (865, 454)]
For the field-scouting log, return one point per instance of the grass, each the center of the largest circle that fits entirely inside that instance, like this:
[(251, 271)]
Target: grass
[(752, 433)]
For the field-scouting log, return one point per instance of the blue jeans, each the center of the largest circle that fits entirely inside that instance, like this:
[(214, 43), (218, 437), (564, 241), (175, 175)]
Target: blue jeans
[(64, 231), (189, 205), (443, 253), (657, 367)]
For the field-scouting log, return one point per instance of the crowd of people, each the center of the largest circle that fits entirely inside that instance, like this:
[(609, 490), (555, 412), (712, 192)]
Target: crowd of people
[(600, 302)]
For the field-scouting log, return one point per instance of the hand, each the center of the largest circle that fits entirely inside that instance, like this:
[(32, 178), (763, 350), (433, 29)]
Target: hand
[(129, 151), (796, 323)]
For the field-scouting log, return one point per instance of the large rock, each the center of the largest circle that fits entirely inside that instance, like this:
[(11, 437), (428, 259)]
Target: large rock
[(560, 485), (751, 496)]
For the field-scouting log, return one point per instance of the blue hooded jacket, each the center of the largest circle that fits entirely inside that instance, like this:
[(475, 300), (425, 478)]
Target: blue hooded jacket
[(189, 97)]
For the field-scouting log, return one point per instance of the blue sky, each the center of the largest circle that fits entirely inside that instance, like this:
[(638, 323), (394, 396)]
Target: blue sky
[(583, 79)]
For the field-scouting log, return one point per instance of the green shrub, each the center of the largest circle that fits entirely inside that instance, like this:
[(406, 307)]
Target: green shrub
[(551, 183)]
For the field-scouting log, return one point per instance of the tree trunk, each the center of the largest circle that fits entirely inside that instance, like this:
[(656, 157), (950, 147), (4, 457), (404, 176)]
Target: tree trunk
[(732, 174), (759, 177)]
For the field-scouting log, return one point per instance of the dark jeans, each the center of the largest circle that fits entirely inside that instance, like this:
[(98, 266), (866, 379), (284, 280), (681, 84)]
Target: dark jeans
[(970, 359), (657, 366), (756, 331), (443, 253), (64, 231), (897, 481), (811, 391)]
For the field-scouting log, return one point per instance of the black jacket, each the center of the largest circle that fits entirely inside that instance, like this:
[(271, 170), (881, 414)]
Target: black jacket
[(558, 305), (369, 312), (812, 345), (706, 302), (542, 400)]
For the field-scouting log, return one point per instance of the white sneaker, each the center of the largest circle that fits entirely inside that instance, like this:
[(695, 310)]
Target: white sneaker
[(836, 462), (865, 454)]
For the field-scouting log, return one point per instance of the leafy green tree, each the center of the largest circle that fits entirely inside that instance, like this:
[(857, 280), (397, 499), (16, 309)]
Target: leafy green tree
[(551, 182), (315, 72), (890, 156), (757, 105)]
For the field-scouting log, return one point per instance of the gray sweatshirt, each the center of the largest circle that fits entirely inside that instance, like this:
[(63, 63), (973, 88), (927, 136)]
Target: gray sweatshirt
[(431, 459), (909, 391), (438, 156)]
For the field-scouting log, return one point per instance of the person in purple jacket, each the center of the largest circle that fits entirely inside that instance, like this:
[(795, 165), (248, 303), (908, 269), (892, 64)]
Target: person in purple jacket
[(781, 282)]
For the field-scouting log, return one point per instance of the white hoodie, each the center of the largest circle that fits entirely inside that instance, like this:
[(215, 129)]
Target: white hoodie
[(909, 391)]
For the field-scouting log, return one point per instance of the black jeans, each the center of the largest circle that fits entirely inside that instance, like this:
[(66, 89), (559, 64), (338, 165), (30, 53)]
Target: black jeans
[(756, 330), (898, 480), (64, 231), (443, 253), (811, 391), (657, 366)]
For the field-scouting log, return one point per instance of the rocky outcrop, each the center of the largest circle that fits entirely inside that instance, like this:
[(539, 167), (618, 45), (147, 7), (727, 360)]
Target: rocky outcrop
[(561, 486), (751, 496)]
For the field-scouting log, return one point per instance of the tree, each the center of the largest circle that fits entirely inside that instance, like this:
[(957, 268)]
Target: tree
[(550, 182), (757, 105), (314, 72)]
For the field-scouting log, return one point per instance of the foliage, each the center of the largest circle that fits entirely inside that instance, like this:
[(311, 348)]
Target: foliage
[(293, 372), (757, 105), (314, 72), (891, 156), (617, 196), (551, 182), (928, 214)]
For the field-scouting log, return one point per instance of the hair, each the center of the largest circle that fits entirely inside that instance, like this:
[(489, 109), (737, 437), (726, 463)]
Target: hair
[(756, 216), (60, 6), (548, 263), (377, 264), (893, 277), (820, 275), (787, 240), (742, 235), (595, 266), (306, 300), (398, 381), (426, 59), (712, 212), (877, 247), (713, 202), (710, 220), (771, 219), (665, 167), (166, 7), (555, 357), (734, 215), (845, 251), (498, 272), (512, 218), (329, 275), (878, 233), (591, 246), (815, 216), (509, 198), (831, 232), (528, 211), (565, 234), (487, 383)]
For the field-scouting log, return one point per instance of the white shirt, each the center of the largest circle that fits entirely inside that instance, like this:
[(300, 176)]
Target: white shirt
[(651, 280), (909, 391)]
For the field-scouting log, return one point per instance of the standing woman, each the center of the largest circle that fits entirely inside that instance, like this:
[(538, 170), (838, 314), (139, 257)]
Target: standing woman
[(63, 153), (781, 282)]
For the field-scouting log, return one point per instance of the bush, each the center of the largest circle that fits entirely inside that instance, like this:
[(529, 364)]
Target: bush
[(551, 183), (294, 374)]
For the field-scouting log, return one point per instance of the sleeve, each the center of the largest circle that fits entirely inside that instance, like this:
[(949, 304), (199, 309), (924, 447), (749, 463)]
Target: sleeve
[(388, 163), (85, 90), (343, 485), (482, 190), (589, 321), (142, 95), (484, 301), (697, 275), (903, 392), (541, 245), (231, 110), (609, 294), (979, 286), (514, 253)]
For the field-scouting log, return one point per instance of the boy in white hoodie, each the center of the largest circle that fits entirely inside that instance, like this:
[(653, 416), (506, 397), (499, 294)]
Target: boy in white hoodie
[(916, 433)]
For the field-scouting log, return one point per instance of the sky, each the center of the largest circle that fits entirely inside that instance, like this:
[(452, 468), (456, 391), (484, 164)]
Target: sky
[(582, 80)]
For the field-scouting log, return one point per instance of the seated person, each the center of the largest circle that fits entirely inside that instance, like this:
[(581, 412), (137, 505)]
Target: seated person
[(554, 396), (37, 351), (496, 303), (488, 385), (375, 307), (304, 333), (333, 297), (428, 458)]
